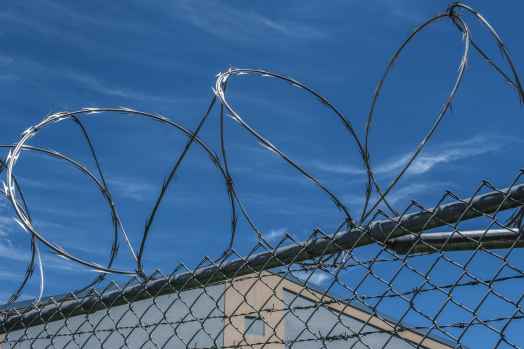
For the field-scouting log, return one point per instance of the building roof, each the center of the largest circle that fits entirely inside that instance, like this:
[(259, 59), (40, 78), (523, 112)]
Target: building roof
[(389, 322), (82, 303)]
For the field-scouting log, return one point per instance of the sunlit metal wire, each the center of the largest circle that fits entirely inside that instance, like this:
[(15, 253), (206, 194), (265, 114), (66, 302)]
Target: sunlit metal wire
[(399, 237)]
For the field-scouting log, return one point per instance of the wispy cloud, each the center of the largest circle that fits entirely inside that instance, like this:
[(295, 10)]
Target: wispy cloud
[(132, 188), (6, 60), (98, 86), (316, 277), (403, 10), (285, 205), (449, 152), (222, 20), (9, 251), (8, 275), (275, 234), (5, 225), (338, 168), (23, 66), (409, 192), (50, 23), (402, 195), (428, 160)]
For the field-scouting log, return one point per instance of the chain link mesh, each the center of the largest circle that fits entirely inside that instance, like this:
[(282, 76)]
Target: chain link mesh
[(386, 286), (447, 276)]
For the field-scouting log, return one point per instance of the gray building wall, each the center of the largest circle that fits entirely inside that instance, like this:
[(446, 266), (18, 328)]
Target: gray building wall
[(176, 321), (216, 317), (304, 327)]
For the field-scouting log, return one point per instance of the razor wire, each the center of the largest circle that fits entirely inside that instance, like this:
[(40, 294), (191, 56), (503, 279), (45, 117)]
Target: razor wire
[(398, 237)]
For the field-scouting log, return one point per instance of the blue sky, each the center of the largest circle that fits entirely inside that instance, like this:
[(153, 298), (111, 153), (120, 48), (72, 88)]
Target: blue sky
[(163, 57)]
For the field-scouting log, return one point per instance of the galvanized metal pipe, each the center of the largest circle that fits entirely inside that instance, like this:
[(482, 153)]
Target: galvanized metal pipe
[(457, 241)]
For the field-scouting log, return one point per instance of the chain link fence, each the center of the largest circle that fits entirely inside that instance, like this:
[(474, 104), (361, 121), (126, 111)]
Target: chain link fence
[(447, 276), (418, 280)]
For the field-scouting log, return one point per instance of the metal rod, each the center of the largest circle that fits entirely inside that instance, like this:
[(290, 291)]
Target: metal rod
[(457, 241)]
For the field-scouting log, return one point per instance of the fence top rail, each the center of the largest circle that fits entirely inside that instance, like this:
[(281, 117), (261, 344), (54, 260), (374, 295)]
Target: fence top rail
[(378, 231)]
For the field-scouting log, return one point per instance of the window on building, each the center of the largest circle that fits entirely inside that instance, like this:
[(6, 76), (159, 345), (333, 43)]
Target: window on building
[(254, 326)]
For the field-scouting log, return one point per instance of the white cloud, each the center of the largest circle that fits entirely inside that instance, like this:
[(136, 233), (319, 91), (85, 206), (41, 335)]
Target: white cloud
[(316, 277), (132, 188), (403, 10), (5, 224), (284, 205), (275, 234), (8, 251), (18, 250), (51, 261), (222, 20), (401, 195), (428, 159), (22, 65), (408, 192), (5, 60), (8, 275), (339, 168), (448, 152), (98, 86)]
